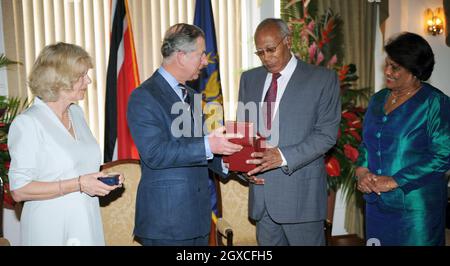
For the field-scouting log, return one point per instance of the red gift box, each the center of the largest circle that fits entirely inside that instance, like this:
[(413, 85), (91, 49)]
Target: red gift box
[(250, 143)]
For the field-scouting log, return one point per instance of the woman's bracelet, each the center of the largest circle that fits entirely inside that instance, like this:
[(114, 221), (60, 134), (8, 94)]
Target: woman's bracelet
[(79, 183)]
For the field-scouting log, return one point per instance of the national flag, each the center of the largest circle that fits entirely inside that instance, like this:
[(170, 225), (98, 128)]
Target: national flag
[(122, 78), (209, 84)]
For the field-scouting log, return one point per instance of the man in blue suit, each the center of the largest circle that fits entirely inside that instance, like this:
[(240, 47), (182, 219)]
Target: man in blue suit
[(303, 111), (173, 200)]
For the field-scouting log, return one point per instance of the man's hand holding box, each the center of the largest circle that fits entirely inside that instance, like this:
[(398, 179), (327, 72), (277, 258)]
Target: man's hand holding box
[(250, 142)]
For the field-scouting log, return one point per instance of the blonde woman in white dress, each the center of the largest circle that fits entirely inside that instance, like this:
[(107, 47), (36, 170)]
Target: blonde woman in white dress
[(55, 159)]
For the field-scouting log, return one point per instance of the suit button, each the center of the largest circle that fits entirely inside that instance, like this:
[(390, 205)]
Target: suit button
[(378, 135), (379, 171)]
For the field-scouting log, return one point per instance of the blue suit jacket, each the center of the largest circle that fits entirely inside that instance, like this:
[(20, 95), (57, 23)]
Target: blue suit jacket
[(173, 199)]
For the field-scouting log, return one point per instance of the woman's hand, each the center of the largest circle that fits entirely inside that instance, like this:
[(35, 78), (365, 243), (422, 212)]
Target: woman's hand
[(90, 185), (385, 183), (366, 181)]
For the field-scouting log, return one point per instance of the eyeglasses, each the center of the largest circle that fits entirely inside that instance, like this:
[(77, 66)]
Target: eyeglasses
[(269, 50)]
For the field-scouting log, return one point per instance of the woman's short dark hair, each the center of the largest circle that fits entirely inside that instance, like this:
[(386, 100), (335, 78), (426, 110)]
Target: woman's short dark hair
[(412, 52)]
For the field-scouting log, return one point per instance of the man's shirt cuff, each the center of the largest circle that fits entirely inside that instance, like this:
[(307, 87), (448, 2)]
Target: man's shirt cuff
[(209, 154)]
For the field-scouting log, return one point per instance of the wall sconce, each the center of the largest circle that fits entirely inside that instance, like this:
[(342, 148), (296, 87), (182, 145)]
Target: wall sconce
[(435, 21)]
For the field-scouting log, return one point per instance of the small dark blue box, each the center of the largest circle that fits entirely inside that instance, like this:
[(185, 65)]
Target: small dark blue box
[(112, 180)]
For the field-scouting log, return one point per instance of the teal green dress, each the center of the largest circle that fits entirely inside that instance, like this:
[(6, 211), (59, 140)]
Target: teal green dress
[(412, 145)]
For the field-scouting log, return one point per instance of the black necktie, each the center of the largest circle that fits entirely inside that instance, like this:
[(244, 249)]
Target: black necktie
[(185, 94), (187, 101)]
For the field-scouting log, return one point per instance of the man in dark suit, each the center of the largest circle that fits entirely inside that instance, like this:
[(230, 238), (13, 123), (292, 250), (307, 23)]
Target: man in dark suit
[(173, 199), (288, 195)]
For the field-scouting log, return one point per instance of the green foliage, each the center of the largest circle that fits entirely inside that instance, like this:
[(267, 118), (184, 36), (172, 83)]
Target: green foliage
[(4, 61), (9, 108), (292, 9), (13, 106)]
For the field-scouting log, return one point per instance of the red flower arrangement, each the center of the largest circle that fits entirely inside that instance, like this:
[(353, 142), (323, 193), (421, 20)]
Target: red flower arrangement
[(9, 108), (318, 41), (340, 160), (4, 157)]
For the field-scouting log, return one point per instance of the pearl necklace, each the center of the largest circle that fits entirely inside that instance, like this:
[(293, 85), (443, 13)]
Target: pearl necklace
[(61, 118)]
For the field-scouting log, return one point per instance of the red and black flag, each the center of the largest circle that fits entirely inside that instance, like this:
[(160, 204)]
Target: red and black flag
[(122, 79)]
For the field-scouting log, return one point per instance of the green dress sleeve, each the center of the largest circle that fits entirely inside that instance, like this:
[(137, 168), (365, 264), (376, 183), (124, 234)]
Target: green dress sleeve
[(435, 163)]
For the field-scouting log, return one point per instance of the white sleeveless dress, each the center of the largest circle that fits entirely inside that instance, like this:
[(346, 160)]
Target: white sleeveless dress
[(43, 150)]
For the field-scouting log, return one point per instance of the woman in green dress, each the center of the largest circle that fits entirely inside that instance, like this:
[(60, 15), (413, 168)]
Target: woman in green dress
[(406, 150)]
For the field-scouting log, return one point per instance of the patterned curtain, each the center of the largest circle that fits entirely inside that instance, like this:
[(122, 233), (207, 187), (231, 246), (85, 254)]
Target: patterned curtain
[(359, 27)]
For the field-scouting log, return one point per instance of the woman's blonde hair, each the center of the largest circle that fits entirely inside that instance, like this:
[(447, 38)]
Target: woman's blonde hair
[(58, 67)]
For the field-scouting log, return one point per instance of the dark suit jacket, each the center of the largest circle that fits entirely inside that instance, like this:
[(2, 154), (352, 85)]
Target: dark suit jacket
[(309, 115), (173, 199)]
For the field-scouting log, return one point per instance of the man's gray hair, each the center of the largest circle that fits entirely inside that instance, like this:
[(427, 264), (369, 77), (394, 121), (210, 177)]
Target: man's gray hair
[(181, 37), (284, 29)]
